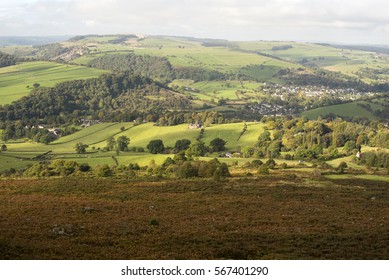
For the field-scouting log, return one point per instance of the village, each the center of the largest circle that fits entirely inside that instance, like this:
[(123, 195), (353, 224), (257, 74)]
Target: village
[(311, 97), (284, 92)]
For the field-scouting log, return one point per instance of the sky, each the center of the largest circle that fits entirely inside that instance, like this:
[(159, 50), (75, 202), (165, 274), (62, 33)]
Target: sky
[(332, 21)]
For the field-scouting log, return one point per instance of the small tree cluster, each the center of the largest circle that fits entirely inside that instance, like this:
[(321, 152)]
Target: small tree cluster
[(56, 168)]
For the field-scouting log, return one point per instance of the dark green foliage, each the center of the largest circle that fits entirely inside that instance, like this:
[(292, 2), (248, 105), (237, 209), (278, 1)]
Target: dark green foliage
[(198, 74), (133, 166), (349, 146), (211, 169), (168, 162), (84, 167), (186, 170), (375, 159), (181, 145), (197, 149), (217, 145), (271, 163), (154, 222), (115, 97), (7, 60), (156, 146), (122, 143), (180, 156), (256, 163), (81, 148), (3, 148), (145, 65), (381, 139), (56, 168), (111, 143)]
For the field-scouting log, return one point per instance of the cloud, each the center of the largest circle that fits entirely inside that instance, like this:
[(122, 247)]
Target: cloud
[(232, 19)]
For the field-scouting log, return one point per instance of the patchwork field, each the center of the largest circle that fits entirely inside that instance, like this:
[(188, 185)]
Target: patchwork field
[(20, 154)]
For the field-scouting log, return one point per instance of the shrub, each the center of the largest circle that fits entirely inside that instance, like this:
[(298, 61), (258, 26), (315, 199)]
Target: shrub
[(103, 171), (263, 170), (84, 167), (271, 163), (153, 222), (256, 163)]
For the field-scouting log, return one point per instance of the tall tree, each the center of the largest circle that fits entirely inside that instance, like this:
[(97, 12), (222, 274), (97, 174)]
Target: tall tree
[(122, 143)]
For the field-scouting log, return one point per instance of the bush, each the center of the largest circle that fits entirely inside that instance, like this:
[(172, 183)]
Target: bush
[(263, 170), (256, 163), (186, 170), (271, 163), (103, 171), (84, 167), (154, 222)]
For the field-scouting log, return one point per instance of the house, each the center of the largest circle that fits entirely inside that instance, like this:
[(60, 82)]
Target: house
[(55, 131), (195, 125)]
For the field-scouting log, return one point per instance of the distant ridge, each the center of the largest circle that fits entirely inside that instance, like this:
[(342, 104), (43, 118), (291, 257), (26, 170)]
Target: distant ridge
[(31, 40)]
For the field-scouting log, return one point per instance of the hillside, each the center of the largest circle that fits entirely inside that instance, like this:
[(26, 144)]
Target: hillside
[(96, 137), (18, 80)]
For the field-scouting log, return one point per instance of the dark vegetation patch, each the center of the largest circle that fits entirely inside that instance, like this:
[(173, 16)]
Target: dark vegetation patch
[(259, 218)]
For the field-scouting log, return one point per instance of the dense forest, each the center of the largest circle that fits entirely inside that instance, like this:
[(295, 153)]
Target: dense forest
[(109, 97), (157, 68)]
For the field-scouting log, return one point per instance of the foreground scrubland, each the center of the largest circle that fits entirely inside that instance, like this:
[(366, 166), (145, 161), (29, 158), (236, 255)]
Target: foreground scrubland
[(279, 216)]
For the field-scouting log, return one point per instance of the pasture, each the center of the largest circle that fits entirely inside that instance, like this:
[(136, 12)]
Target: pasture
[(17, 81), (186, 53), (21, 154), (330, 58), (216, 90), (344, 110)]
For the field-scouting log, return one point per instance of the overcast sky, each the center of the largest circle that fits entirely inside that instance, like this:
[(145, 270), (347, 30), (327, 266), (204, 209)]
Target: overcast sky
[(344, 21)]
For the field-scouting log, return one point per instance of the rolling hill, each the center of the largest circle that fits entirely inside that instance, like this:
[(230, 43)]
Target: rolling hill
[(18, 80)]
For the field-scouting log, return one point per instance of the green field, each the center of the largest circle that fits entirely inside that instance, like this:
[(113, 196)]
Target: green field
[(216, 90), (181, 52), (331, 58), (343, 110), (20, 154), (17, 81)]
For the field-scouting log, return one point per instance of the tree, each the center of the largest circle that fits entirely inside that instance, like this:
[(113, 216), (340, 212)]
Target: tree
[(122, 143), (3, 148), (197, 149), (217, 145), (181, 145), (81, 148), (349, 146), (156, 146), (111, 143)]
